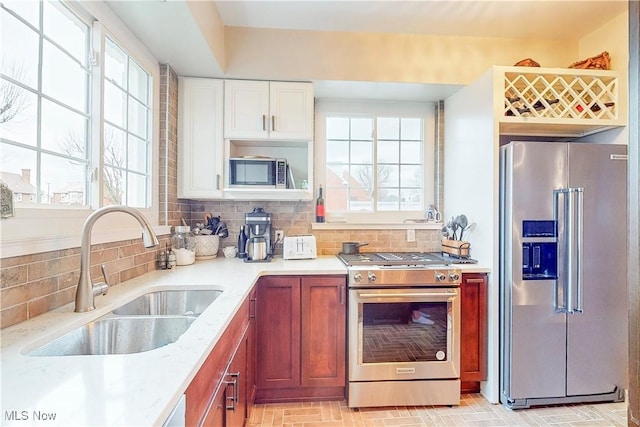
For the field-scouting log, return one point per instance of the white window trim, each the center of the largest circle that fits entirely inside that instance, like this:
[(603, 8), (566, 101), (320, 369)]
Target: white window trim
[(44, 228), (379, 219)]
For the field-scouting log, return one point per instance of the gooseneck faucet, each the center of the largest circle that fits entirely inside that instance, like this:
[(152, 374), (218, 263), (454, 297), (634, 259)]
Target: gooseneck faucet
[(87, 290)]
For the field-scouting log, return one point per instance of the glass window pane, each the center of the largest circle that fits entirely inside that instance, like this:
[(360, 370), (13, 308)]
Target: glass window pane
[(388, 128), (411, 176), (18, 122), (388, 176), (19, 50), (18, 170), (115, 148), (337, 151), (137, 118), (389, 151), (362, 152), (136, 190), (64, 79), (62, 181), (410, 199), (138, 82), (411, 129), (411, 152), (61, 26), (362, 129), (115, 64), (388, 199), (29, 10), (137, 158), (63, 131), (113, 186), (337, 128), (115, 104)]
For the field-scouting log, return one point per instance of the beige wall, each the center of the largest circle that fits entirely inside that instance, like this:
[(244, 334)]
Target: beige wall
[(314, 55)]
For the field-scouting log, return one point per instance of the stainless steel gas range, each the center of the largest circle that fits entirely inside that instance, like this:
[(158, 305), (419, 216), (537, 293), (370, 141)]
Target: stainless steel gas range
[(404, 329)]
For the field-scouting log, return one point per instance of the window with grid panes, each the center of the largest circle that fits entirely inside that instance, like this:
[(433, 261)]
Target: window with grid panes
[(378, 159)]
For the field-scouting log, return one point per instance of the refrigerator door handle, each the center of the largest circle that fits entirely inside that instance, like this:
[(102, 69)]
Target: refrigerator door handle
[(579, 196), (569, 245), (561, 291)]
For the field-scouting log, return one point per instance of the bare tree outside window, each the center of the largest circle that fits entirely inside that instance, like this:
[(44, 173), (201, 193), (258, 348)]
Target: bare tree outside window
[(13, 99), (113, 184)]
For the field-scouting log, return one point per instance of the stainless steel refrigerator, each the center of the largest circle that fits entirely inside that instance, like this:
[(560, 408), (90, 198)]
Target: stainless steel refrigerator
[(563, 291)]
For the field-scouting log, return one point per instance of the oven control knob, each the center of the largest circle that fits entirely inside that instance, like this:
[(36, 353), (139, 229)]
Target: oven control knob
[(454, 277), (372, 277), (440, 277), (357, 277)]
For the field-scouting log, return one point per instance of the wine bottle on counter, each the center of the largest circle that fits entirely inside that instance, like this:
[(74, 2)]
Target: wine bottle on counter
[(320, 207)]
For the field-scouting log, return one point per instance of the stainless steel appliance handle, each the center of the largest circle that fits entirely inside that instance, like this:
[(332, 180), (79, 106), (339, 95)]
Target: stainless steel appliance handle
[(560, 304), (579, 192), (570, 233), (408, 295)]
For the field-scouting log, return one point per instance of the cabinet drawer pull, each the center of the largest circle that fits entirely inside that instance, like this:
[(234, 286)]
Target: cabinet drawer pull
[(217, 181), (234, 396), (273, 123), (264, 124), (252, 308), (474, 280)]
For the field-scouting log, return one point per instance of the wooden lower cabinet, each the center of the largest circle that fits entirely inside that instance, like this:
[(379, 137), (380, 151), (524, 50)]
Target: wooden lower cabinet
[(301, 338), (473, 326), (218, 394)]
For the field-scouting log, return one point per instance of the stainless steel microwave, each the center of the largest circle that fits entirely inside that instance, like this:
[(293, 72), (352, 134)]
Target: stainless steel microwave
[(258, 172)]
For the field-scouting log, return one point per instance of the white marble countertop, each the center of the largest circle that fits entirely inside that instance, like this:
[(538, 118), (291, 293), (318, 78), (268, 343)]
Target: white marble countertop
[(134, 389)]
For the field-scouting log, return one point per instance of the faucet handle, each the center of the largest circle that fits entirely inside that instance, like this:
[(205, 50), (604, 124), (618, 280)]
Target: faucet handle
[(102, 287)]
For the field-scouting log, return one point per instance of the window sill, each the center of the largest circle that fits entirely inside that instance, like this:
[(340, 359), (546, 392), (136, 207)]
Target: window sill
[(377, 226)]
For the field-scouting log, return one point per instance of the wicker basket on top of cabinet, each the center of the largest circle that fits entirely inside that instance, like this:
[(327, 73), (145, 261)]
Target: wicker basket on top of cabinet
[(571, 102)]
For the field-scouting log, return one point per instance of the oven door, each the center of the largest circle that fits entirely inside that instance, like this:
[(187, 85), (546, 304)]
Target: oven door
[(404, 334)]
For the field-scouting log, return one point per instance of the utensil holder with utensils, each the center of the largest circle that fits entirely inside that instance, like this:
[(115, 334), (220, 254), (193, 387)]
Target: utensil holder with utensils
[(456, 248)]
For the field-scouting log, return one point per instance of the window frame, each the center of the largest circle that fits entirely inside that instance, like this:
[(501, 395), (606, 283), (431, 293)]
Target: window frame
[(375, 109), (26, 232)]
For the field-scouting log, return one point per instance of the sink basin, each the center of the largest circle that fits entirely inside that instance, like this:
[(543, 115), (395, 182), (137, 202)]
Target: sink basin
[(118, 335), (170, 303)]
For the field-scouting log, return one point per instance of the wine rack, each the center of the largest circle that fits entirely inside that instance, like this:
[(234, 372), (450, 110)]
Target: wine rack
[(566, 101)]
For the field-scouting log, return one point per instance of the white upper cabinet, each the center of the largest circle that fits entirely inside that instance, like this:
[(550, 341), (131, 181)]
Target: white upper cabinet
[(200, 145), (261, 110)]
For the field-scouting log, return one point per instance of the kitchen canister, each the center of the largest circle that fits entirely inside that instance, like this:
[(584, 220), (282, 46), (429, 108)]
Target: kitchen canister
[(183, 244), (207, 246)]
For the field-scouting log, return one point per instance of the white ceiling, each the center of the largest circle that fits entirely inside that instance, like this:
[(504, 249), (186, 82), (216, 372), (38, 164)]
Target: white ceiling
[(547, 19), (540, 19)]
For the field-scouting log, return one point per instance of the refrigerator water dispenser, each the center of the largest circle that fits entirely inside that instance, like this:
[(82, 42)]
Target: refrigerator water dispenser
[(539, 258)]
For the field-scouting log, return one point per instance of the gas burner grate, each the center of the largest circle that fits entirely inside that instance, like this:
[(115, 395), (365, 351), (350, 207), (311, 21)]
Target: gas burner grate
[(394, 258)]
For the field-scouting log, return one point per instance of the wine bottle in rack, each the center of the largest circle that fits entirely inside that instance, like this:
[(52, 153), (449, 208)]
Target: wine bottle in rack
[(596, 107), (538, 106)]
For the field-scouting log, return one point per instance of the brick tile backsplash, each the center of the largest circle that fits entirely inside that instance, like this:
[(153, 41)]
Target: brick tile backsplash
[(36, 283)]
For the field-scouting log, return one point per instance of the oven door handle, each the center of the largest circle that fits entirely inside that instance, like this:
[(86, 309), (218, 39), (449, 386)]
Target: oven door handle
[(448, 294)]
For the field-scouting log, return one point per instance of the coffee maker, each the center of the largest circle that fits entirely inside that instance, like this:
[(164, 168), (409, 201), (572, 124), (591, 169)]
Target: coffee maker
[(259, 230)]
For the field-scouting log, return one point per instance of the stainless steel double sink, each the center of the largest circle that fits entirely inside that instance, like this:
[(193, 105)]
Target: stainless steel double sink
[(149, 321)]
